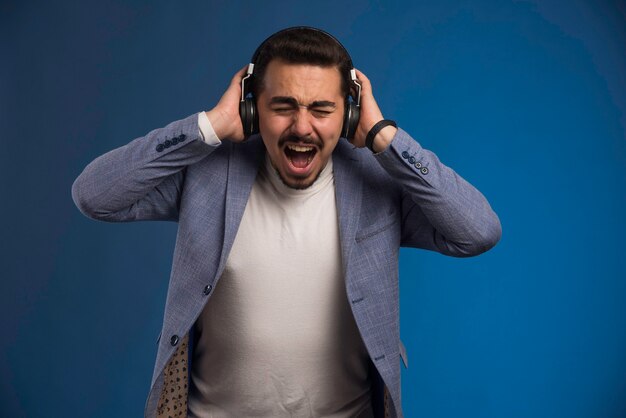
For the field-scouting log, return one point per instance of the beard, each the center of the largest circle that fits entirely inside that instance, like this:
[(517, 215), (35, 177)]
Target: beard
[(298, 186)]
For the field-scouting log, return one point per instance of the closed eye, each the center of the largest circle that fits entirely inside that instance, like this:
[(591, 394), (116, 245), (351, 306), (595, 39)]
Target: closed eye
[(283, 109), (322, 113)]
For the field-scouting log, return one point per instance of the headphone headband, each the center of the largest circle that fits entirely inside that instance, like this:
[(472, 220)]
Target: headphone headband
[(255, 56), (257, 52), (247, 105)]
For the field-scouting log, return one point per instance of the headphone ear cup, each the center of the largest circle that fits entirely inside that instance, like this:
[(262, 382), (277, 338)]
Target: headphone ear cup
[(350, 120), (249, 117)]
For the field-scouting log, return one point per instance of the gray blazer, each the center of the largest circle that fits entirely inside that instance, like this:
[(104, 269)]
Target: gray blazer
[(403, 196)]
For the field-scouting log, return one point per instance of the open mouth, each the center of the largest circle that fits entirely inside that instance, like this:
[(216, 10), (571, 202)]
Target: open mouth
[(300, 156)]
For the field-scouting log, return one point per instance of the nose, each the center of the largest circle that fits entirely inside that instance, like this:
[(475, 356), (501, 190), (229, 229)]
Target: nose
[(301, 125)]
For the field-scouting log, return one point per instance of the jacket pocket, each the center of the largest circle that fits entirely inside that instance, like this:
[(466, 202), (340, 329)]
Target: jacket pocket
[(375, 229)]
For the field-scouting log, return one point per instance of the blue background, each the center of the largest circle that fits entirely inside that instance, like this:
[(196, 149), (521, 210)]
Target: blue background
[(525, 99)]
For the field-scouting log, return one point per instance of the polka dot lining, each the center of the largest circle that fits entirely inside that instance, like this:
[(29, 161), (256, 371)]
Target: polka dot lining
[(386, 403), (173, 400)]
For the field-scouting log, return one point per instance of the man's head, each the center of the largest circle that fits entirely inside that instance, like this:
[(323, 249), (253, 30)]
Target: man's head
[(301, 83)]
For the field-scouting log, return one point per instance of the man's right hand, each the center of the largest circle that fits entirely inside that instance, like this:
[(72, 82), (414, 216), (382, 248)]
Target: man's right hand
[(224, 117)]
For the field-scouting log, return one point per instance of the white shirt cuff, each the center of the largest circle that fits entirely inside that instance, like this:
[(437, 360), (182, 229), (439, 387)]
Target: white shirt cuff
[(206, 130)]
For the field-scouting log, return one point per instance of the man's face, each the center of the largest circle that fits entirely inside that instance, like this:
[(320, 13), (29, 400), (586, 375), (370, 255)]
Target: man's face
[(300, 118)]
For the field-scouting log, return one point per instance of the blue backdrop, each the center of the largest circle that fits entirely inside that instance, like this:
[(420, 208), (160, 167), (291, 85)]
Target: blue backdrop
[(525, 99)]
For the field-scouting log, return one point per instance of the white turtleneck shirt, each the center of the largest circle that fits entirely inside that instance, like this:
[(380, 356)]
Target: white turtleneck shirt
[(277, 337)]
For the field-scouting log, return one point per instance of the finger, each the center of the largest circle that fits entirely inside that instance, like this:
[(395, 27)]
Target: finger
[(362, 77), (239, 75), (360, 74), (365, 82)]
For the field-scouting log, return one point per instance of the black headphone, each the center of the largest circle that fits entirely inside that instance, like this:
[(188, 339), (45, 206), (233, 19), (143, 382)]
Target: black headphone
[(248, 109)]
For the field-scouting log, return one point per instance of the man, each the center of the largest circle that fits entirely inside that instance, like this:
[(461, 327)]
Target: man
[(283, 296)]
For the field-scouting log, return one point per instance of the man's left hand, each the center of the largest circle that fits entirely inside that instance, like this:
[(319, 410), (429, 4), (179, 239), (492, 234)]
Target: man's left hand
[(369, 116)]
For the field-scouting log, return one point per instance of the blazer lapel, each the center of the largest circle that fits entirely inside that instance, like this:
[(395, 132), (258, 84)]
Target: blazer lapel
[(347, 195), (243, 166)]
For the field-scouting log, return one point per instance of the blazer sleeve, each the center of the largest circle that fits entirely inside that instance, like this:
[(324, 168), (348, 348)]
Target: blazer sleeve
[(441, 211), (143, 179)]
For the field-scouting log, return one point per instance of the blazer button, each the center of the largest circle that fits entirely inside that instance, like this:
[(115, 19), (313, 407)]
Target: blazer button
[(159, 147), (418, 165), (175, 140), (424, 170), (181, 137), (174, 340), (412, 160), (167, 143), (405, 155), (207, 289)]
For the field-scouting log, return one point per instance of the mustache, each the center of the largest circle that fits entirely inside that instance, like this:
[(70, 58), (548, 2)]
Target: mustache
[(294, 139)]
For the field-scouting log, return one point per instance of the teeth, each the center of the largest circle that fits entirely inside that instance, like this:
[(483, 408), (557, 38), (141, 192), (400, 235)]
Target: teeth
[(299, 148)]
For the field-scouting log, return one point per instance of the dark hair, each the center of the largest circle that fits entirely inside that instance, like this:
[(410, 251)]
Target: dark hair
[(302, 46)]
